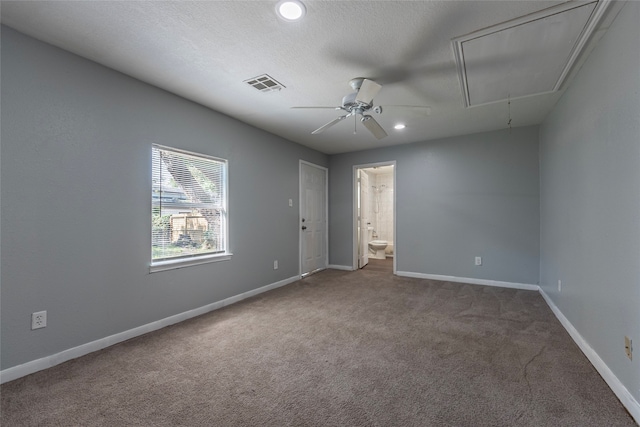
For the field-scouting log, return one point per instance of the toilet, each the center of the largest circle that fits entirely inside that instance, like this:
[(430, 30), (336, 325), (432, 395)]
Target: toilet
[(378, 247)]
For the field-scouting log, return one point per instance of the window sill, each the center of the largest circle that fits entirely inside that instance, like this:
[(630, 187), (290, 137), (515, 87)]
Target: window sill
[(188, 262)]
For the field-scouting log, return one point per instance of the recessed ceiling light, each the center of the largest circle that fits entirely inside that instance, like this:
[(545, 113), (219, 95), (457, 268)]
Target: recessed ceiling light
[(290, 10), (399, 126)]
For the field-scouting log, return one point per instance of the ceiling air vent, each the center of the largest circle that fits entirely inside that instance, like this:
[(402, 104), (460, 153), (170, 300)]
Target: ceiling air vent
[(265, 83), (526, 56)]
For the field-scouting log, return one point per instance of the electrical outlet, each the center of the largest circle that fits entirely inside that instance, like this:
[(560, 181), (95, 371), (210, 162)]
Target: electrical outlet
[(559, 285), (275, 264), (478, 260), (290, 203), (628, 347), (38, 320)]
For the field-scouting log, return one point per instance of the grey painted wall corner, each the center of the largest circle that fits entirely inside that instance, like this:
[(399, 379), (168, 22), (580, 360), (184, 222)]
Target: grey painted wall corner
[(590, 199), (456, 198)]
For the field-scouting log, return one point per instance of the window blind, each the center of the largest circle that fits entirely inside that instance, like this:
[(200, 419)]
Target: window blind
[(188, 204)]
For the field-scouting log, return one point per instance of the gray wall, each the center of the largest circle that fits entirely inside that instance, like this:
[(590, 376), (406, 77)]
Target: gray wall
[(590, 198), (76, 185), (455, 198)]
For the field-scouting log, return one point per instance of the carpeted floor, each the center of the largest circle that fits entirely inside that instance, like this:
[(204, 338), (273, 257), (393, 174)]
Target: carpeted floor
[(380, 265), (338, 348)]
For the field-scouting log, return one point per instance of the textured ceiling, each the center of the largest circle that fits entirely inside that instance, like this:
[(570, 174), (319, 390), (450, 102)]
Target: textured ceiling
[(535, 51), (206, 50)]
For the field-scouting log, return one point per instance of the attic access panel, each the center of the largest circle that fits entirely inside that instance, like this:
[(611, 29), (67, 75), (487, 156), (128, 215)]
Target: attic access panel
[(526, 56)]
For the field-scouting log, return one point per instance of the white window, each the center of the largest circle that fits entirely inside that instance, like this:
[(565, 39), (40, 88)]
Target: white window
[(189, 215)]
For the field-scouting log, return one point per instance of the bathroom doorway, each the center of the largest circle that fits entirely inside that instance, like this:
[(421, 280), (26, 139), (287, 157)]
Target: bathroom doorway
[(374, 223)]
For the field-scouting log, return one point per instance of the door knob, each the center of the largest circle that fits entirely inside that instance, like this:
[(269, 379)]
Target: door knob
[(304, 227)]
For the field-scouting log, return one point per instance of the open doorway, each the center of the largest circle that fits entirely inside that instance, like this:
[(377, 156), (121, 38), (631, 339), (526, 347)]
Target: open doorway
[(374, 223)]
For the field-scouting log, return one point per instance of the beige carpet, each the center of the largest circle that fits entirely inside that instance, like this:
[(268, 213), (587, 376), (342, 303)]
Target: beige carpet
[(335, 349)]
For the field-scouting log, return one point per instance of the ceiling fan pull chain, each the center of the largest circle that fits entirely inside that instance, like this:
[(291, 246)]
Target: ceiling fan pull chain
[(355, 123)]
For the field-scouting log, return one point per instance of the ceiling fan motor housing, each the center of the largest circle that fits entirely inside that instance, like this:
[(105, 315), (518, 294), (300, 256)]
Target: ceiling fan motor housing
[(350, 104)]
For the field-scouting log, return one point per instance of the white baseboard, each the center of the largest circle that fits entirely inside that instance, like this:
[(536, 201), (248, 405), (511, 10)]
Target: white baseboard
[(340, 267), (610, 378), (470, 280), (19, 371)]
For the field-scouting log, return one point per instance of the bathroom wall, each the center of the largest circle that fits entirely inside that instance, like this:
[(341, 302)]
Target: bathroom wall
[(367, 193), (384, 215)]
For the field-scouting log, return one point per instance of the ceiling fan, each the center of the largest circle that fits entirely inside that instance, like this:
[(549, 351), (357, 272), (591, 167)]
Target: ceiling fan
[(359, 104)]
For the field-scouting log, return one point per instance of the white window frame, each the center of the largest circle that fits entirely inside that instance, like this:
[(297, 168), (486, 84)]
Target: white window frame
[(186, 261)]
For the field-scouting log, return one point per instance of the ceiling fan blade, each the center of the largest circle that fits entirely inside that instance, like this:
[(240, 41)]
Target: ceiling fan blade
[(368, 90), (315, 108), (328, 125), (426, 110), (417, 108), (373, 127)]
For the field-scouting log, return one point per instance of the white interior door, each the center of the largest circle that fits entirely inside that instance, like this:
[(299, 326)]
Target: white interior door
[(364, 220), (313, 221)]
